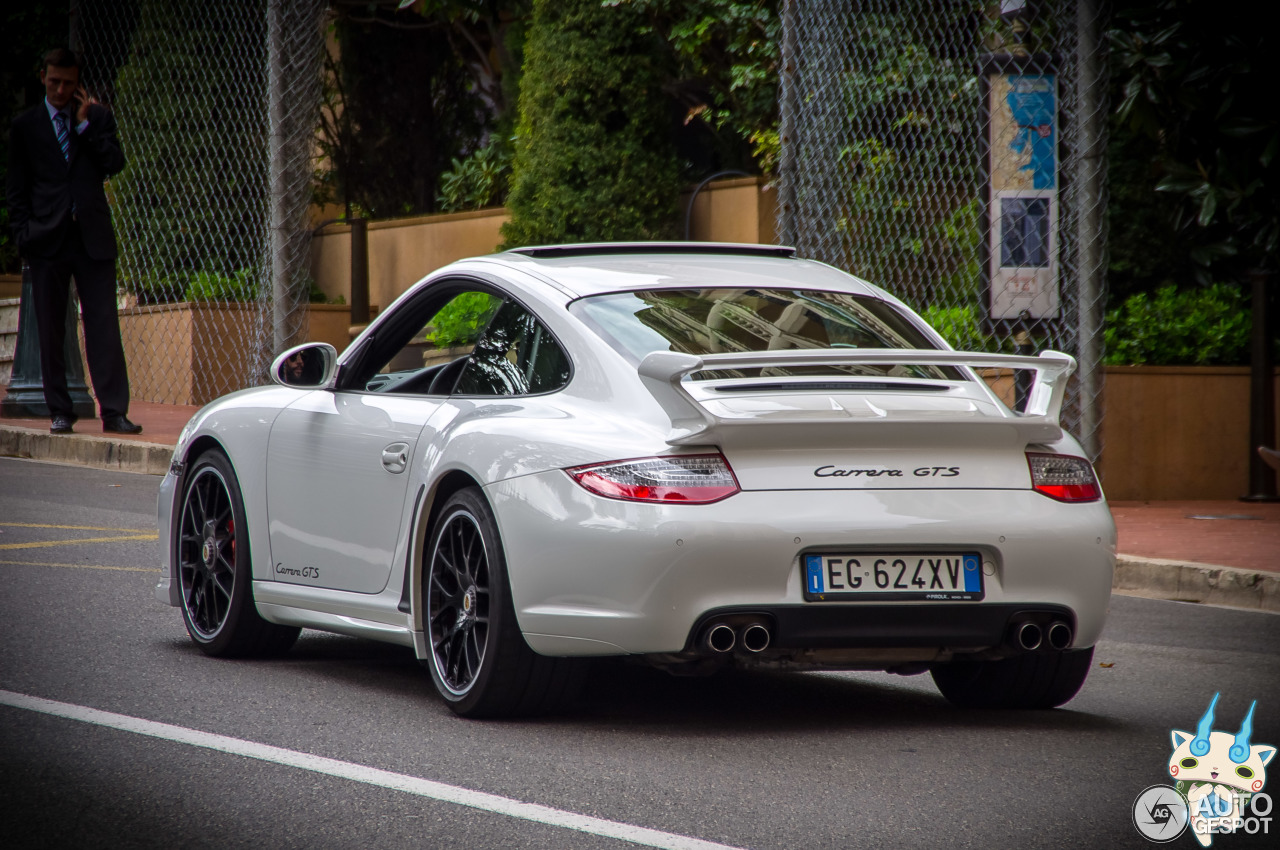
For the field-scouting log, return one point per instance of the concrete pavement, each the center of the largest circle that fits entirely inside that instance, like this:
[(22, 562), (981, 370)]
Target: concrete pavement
[(1212, 552)]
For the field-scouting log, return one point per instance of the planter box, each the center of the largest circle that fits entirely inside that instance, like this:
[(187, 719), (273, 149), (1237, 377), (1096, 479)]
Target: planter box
[(1176, 432), (10, 286), (192, 352)]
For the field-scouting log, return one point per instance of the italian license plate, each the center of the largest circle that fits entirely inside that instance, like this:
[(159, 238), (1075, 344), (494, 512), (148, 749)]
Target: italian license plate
[(933, 576)]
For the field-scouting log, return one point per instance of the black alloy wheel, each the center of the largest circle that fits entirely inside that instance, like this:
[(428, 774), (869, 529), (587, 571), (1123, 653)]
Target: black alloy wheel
[(207, 553), (214, 570), (479, 660), (458, 602)]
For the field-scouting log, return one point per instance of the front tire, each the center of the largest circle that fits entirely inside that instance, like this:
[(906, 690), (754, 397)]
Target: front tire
[(215, 574), (1033, 680), (479, 660)]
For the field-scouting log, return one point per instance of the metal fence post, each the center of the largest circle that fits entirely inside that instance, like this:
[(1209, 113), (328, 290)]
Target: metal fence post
[(787, 126), (1091, 232)]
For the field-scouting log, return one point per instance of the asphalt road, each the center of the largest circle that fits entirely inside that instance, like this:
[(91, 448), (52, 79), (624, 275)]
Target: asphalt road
[(756, 760)]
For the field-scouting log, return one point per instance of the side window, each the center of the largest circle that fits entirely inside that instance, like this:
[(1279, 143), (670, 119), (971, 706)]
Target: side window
[(427, 354), (516, 356)]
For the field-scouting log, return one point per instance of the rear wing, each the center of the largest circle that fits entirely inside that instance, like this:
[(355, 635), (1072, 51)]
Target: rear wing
[(663, 373)]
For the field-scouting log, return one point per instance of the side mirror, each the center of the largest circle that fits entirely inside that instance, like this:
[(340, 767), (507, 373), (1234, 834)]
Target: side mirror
[(310, 366)]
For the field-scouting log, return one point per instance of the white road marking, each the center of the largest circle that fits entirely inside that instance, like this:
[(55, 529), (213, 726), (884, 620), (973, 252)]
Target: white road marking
[(360, 773)]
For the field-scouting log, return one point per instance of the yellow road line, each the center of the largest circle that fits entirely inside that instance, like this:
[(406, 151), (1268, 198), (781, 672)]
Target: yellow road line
[(82, 566), (41, 544), (74, 527)]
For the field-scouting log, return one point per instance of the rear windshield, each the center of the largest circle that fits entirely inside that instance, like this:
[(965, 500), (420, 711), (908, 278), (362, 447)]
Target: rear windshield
[(711, 321)]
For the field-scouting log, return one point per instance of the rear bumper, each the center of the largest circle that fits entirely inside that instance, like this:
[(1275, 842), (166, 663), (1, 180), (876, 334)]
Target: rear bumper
[(598, 576), (964, 626)]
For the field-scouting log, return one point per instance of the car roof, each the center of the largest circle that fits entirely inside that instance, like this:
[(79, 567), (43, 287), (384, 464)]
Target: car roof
[(596, 268)]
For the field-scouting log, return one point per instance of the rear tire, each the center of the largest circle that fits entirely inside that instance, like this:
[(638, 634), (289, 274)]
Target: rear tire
[(1033, 680), (215, 573), (479, 660)]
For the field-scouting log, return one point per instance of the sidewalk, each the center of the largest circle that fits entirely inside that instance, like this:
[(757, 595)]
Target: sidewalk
[(1215, 552)]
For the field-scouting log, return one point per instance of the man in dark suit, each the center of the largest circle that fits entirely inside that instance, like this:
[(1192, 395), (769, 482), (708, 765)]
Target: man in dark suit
[(60, 154)]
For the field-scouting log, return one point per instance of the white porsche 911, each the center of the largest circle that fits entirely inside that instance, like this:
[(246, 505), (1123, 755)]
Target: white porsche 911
[(695, 455)]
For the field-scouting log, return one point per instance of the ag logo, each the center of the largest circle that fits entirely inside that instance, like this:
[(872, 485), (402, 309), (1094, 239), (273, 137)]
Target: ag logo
[(1160, 814)]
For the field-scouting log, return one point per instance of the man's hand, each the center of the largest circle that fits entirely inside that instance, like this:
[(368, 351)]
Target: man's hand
[(83, 101)]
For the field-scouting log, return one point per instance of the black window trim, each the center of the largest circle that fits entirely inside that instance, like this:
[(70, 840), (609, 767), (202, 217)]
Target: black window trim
[(449, 287)]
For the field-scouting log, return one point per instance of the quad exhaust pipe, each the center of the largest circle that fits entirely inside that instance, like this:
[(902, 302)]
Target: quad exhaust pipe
[(722, 637), (1029, 636)]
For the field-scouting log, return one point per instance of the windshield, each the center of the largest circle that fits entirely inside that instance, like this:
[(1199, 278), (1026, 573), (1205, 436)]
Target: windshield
[(711, 321)]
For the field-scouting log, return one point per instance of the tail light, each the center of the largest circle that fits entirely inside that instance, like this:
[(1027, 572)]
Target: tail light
[(1064, 477), (681, 479)]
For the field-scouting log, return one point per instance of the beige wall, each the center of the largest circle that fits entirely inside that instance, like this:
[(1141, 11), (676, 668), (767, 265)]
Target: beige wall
[(403, 251), (191, 353), (739, 210), (1176, 432)]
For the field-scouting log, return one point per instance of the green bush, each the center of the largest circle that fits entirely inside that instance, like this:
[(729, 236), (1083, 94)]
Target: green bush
[(191, 198), (1196, 327), (960, 327), (211, 286), (462, 319), (594, 159), (478, 181)]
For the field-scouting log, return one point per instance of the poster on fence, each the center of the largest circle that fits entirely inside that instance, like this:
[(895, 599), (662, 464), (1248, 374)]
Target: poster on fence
[(1022, 174)]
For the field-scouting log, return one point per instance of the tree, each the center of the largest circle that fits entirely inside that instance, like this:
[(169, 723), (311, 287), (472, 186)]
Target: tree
[(191, 197), (594, 159), (725, 75), (400, 105), (1198, 83)]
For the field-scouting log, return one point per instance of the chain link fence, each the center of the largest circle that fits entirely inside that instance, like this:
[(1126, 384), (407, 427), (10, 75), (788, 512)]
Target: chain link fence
[(217, 104), (953, 152)]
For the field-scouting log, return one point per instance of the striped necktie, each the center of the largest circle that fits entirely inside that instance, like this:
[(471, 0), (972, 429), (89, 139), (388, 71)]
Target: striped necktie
[(64, 137)]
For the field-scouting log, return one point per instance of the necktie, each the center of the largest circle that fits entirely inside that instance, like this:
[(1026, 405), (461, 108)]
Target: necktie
[(64, 137)]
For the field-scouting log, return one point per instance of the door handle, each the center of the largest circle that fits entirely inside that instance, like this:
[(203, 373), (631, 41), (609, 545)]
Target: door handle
[(395, 458)]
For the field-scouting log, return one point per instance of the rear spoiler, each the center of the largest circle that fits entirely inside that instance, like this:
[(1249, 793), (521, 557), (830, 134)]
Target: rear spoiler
[(663, 373)]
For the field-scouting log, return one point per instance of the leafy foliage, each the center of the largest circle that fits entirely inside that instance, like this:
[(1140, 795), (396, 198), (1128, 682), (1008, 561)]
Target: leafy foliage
[(1201, 88), (462, 319), (1197, 327), (593, 156), (726, 55), (477, 181), (174, 115), (910, 171), (399, 105), (1142, 242), (210, 286), (962, 327)]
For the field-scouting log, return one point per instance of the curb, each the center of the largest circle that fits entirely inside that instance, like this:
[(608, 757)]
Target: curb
[(87, 450), (1207, 584)]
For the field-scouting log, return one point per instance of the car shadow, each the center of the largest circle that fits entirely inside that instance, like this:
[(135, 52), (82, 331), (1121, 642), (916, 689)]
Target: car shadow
[(751, 701), (617, 691)]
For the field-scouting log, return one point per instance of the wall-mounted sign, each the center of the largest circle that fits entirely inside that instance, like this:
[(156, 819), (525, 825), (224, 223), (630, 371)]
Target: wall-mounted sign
[(1022, 175)]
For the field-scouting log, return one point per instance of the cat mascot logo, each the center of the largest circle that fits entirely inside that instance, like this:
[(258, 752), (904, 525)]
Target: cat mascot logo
[(1221, 776)]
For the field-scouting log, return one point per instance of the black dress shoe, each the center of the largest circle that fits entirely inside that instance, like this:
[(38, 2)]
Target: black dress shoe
[(61, 423), (120, 425)]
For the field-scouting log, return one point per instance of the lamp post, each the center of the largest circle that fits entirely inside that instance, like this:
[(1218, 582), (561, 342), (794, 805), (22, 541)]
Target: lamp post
[(25, 395), (1262, 395)]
